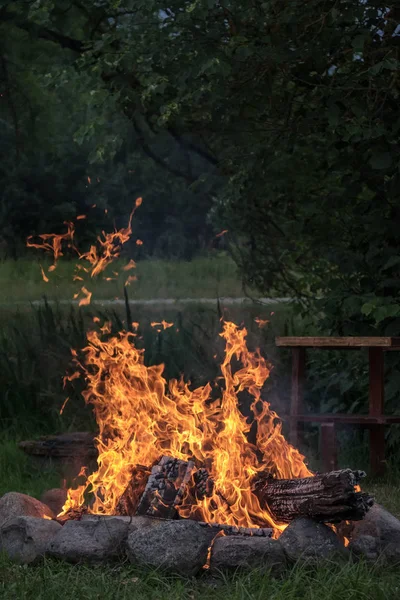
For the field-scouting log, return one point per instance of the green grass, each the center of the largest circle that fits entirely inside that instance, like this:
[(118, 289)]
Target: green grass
[(50, 579), (208, 277)]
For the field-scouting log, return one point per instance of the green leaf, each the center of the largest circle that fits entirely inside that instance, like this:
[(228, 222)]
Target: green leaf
[(381, 160), (367, 308), (393, 260)]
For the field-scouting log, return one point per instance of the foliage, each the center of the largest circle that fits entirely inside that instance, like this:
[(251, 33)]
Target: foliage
[(307, 144)]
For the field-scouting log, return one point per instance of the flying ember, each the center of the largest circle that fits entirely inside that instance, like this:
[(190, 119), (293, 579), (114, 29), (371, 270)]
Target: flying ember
[(148, 422)]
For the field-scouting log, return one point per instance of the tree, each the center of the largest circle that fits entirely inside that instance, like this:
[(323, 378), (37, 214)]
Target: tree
[(296, 107)]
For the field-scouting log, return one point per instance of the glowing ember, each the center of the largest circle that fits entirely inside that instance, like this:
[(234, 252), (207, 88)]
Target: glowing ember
[(163, 325), (87, 297), (141, 417), (261, 322), (52, 243)]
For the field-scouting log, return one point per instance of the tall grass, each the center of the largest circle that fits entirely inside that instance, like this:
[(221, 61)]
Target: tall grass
[(205, 277), (35, 355)]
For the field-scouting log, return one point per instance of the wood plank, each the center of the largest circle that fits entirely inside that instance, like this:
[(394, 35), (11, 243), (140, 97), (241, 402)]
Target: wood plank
[(345, 418), (337, 342), (376, 382)]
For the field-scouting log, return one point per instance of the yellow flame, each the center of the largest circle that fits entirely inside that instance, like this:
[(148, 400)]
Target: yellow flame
[(142, 417)]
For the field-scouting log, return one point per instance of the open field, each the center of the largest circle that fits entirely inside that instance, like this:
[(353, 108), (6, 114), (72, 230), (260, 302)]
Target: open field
[(209, 277), (50, 580)]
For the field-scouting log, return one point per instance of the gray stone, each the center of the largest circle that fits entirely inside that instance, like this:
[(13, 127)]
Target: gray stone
[(231, 552), (384, 528), (54, 499), (25, 539), (134, 522), (90, 540), (365, 546), (15, 504), (179, 546), (309, 540)]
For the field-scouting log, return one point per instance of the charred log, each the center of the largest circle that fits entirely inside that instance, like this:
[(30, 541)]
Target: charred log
[(165, 488), (129, 501), (232, 530), (203, 484), (329, 497)]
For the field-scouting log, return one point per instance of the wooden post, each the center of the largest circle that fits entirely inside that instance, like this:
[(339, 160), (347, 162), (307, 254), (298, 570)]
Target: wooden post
[(328, 450), (297, 400), (376, 409)]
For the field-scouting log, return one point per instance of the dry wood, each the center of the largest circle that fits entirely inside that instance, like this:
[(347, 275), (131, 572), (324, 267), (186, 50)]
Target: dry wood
[(329, 497)]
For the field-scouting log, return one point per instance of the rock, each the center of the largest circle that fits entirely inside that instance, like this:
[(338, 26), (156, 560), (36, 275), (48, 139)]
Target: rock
[(384, 528), (15, 504), (179, 546), (365, 546), (25, 539), (54, 499), (231, 552), (309, 540), (90, 540), (134, 522)]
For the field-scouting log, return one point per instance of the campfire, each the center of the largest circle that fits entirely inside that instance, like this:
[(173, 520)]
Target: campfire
[(168, 451), (185, 457)]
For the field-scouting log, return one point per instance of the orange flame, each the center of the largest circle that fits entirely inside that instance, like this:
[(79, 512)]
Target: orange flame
[(88, 296), (131, 265), (63, 405), (109, 247), (261, 322), (44, 276), (130, 279), (52, 243), (162, 325), (142, 417)]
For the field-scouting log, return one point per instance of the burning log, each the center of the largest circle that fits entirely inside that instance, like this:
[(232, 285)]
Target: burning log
[(232, 530), (129, 501), (165, 488), (329, 497)]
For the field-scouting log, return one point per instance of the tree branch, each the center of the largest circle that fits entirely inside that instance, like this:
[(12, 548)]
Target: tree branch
[(157, 159)]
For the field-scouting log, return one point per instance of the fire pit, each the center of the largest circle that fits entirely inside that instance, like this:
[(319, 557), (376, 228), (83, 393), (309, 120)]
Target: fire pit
[(179, 485)]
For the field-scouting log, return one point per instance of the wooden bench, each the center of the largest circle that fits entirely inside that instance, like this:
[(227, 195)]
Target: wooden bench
[(375, 420)]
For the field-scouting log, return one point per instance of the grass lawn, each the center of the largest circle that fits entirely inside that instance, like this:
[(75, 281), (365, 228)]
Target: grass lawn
[(209, 277), (54, 580)]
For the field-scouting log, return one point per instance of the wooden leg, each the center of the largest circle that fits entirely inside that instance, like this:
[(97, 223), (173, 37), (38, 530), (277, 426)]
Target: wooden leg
[(377, 450), (297, 400), (376, 409), (328, 447)]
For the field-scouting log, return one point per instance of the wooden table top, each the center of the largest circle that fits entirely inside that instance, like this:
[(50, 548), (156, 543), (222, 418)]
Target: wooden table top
[(338, 342)]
